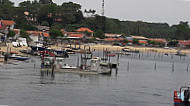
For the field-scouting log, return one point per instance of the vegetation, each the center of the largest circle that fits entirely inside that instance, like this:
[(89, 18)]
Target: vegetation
[(11, 33), (69, 16), (24, 34)]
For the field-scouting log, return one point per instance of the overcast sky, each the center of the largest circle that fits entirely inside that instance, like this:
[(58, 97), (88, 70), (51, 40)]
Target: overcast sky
[(165, 11)]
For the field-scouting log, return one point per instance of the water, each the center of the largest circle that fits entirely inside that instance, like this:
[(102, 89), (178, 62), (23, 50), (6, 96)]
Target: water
[(21, 83)]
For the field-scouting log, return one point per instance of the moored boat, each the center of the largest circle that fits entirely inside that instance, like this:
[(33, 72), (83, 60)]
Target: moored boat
[(181, 97), (17, 57), (129, 50), (100, 67)]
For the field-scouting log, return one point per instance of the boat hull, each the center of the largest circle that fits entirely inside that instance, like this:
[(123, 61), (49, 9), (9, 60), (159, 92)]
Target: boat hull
[(180, 102)]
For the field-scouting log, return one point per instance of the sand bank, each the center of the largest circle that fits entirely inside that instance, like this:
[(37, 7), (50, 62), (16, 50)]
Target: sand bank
[(101, 47)]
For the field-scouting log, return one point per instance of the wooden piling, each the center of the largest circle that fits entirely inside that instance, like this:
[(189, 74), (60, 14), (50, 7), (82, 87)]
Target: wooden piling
[(128, 66), (47, 72), (155, 66), (173, 67), (187, 67)]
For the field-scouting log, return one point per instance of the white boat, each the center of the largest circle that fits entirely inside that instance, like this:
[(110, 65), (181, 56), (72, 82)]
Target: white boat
[(18, 57), (66, 66), (100, 67)]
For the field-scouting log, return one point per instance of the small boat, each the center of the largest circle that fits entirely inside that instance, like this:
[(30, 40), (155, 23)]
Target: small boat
[(66, 66), (25, 51), (100, 67), (129, 50), (179, 53), (111, 55), (17, 57), (182, 97)]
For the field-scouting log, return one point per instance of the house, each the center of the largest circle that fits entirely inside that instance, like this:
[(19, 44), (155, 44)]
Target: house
[(76, 36), (66, 34), (114, 39), (138, 37), (85, 30), (159, 40), (43, 28), (108, 35), (37, 36), (7, 24), (184, 43), (142, 40)]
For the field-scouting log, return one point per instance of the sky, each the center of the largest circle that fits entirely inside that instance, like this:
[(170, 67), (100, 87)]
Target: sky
[(164, 11)]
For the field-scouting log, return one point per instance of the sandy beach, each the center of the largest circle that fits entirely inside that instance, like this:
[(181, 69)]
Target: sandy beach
[(141, 49), (100, 47)]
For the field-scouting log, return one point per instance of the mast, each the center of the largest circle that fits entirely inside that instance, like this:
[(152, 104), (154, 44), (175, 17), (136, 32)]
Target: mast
[(103, 7)]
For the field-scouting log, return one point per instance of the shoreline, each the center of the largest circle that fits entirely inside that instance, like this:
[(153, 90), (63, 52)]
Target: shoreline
[(102, 47)]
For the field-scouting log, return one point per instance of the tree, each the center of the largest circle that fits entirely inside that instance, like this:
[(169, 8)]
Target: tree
[(152, 42), (45, 2), (6, 9), (11, 33), (173, 43), (182, 30), (100, 34), (54, 33), (45, 23), (24, 34), (135, 41)]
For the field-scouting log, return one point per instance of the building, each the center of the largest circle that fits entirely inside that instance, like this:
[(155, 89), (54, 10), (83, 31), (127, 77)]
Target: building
[(113, 39), (82, 30), (159, 40), (184, 43), (109, 35), (37, 36), (7, 25), (76, 36), (142, 40)]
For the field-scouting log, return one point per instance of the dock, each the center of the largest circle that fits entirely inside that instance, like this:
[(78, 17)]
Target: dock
[(76, 71)]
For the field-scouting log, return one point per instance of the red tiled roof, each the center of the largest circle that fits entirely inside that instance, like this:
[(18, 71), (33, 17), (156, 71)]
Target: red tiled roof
[(142, 42), (158, 40), (84, 29), (37, 33), (184, 42), (76, 35), (62, 30), (16, 31), (114, 39), (46, 34), (130, 40), (7, 22), (112, 35)]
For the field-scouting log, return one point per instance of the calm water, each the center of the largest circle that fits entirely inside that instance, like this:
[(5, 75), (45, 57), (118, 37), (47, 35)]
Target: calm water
[(21, 83)]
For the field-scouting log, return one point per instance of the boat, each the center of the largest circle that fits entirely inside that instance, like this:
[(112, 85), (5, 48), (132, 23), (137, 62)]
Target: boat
[(129, 50), (181, 97), (57, 53), (15, 56), (110, 55), (67, 66), (100, 67), (179, 53), (25, 51)]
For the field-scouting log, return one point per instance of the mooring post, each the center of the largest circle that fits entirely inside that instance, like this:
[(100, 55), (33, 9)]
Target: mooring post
[(52, 73), (187, 67), (173, 67), (155, 66), (35, 65), (78, 62), (47, 72), (128, 66)]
